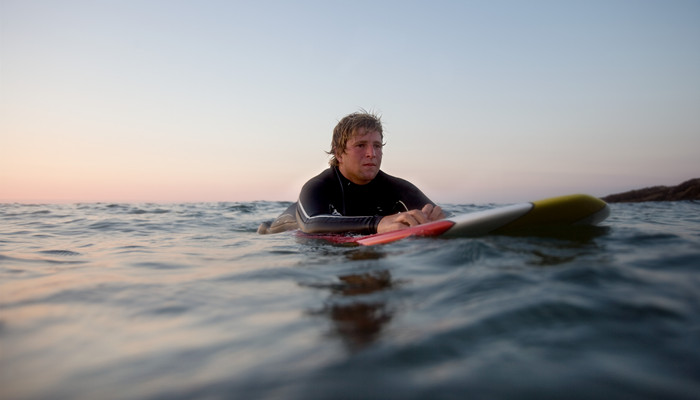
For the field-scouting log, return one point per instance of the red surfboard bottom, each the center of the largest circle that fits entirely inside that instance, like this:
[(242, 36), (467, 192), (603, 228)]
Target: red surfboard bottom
[(429, 229)]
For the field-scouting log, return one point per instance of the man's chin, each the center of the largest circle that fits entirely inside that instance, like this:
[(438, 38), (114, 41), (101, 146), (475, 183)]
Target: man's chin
[(370, 175)]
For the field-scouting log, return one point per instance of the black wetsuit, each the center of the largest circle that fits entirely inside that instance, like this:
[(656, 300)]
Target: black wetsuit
[(330, 203)]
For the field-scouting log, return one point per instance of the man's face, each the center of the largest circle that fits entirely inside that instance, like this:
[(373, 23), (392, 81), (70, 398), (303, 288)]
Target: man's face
[(362, 157)]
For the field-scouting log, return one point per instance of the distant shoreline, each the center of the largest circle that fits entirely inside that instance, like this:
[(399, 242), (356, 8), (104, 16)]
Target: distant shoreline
[(688, 190)]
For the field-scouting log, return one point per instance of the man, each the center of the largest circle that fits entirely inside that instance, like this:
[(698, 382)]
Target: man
[(354, 195)]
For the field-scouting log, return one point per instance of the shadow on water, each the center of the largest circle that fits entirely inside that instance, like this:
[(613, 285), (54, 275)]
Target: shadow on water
[(575, 234), (553, 245)]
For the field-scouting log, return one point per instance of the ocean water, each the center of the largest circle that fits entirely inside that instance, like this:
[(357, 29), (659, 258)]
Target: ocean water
[(187, 301)]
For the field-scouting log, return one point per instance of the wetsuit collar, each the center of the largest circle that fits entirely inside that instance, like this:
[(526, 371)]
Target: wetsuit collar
[(347, 182)]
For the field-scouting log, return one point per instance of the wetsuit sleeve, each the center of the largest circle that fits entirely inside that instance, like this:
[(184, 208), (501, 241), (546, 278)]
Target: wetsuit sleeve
[(315, 213)]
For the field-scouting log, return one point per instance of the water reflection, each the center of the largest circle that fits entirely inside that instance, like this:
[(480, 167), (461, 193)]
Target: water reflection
[(358, 317), (360, 323)]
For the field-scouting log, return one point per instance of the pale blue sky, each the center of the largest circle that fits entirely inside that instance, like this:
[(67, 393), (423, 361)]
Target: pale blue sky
[(483, 101)]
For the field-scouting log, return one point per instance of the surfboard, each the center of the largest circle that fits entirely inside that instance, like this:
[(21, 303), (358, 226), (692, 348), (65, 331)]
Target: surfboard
[(571, 210)]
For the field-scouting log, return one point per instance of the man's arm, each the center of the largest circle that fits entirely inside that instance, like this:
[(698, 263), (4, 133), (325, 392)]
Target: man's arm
[(328, 223)]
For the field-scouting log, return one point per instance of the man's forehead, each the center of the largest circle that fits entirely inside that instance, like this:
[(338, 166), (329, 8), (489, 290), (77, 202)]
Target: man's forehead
[(363, 134)]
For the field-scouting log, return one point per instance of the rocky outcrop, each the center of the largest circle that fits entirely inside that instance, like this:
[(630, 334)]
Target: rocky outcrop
[(689, 190)]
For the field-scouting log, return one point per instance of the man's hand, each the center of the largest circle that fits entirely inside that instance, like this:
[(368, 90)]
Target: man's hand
[(410, 218)]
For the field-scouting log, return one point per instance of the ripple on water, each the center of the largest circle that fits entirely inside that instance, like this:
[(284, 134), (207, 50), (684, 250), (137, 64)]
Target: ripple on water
[(156, 265), (66, 253)]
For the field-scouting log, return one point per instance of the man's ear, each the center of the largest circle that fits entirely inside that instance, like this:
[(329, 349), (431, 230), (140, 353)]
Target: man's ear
[(339, 156)]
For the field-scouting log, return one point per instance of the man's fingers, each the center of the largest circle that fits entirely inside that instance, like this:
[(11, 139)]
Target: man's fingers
[(407, 219), (433, 213), (415, 217), (392, 223), (436, 214)]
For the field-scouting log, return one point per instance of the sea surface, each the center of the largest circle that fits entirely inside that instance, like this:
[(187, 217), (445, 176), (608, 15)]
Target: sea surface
[(187, 301)]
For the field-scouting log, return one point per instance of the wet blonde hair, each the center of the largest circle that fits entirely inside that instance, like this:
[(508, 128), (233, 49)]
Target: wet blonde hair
[(348, 126)]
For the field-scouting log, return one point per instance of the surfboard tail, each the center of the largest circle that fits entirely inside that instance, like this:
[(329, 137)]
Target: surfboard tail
[(575, 209)]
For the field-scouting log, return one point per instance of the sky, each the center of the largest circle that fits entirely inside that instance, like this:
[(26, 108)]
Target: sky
[(493, 101)]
